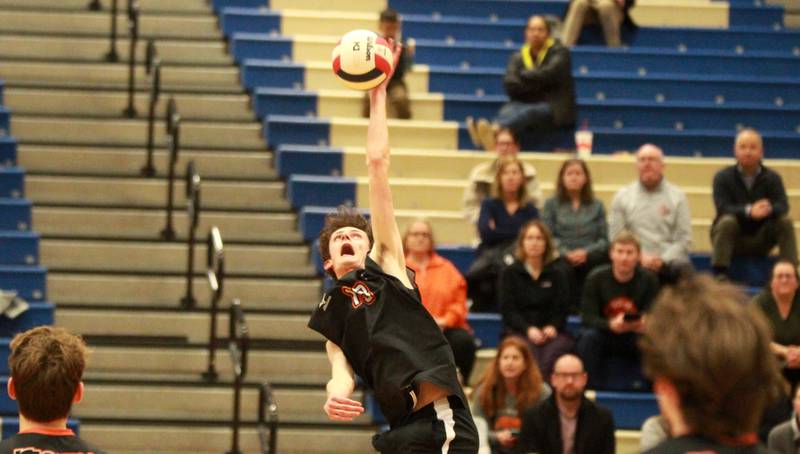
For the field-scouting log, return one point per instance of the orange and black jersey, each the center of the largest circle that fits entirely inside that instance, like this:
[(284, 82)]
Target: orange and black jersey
[(388, 337), (40, 441)]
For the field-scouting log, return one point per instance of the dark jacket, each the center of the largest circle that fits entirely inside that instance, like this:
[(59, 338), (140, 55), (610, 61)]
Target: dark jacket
[(541, 429), (731, 196), (526, 302), (550, 82)]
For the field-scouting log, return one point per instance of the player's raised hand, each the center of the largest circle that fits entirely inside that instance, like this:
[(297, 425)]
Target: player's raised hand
[(342, 408), (397, 50)]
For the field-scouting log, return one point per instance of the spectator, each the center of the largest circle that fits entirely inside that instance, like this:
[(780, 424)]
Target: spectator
[(655, 431), (578, 222), (443, 290), (615, 300), (567, 422), (539, 83), (390, 26), (657, 212), (751, 207), (500, 219), (711, 387), (511, 384), (46, 365), (483, 175), (781, 305), (611, 14), (533, 296), (783, 439)]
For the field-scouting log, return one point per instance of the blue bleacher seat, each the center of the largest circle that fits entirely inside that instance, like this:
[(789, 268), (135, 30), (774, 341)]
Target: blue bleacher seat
[(2, 92), (38, 314), (5, 121), (742, 15), (15, 214), (12, 182), (8, 151), (481, 8), (310, 190), (308, 160), (28, 281), (282, 129), (734, 39), (630, 410), (19, 248)]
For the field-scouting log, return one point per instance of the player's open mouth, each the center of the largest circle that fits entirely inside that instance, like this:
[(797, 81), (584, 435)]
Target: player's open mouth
[(347, 250)]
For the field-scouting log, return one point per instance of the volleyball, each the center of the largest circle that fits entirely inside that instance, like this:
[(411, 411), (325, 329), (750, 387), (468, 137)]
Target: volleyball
[(362, 60)]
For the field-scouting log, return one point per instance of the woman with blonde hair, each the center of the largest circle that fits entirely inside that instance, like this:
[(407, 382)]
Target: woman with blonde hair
[(510, 385)]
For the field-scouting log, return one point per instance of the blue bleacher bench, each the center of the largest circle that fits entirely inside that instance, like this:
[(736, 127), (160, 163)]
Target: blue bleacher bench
[(481, 8), (733, 39), (15, 214), (12, 182), (630, 409), (5, 121), (8, 151), (305, 190), (38, 314), (19, 248), (2, 92), (29, 282), (308, 160)]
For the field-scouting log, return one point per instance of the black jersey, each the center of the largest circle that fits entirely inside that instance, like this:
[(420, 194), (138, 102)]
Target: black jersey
[(388, 337), (47, 441)]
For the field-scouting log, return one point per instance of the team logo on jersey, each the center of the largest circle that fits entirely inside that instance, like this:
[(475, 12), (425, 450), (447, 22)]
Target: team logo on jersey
[(324, 303), (360, 294)]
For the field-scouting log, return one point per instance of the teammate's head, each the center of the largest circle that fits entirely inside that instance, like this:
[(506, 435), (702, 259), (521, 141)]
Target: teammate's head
[(389, 23), (708, 354), (345, 241), (46, 365)]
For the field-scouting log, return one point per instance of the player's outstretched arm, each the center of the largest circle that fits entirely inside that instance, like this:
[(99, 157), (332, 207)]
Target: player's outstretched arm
[(339, 406), (388, 247)]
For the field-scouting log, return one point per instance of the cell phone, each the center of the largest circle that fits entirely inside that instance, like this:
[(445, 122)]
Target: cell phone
[(632, 317)]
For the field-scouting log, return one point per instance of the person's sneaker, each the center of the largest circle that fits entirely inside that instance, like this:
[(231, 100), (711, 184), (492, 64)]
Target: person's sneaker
[(486, 134), (472, 129)]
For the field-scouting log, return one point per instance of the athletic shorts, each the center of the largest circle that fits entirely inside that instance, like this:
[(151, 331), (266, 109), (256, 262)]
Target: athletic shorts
[(444, 426)]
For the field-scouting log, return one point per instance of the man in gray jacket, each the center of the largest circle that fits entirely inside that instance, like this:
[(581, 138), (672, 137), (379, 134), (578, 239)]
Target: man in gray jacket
[(785, 438), (657, 212)]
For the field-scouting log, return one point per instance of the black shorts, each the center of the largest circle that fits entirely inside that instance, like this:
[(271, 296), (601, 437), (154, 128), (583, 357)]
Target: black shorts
[(442, 427)]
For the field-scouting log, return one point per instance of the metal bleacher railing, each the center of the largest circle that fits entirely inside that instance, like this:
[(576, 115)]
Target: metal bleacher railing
[(173, 123), (193, 210), (238, 347), (153, 70), (267, 419), (215, 272), (133, 34)]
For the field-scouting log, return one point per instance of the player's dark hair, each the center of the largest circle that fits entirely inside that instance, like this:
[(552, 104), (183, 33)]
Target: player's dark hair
[(343, 217), (389, 15), (46, 365), (714, 348)]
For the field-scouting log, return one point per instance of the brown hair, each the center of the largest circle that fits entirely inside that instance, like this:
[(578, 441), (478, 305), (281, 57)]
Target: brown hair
[(407, 233), (549, 249), (46, 365), (714, 348), (782, 262), (493, 387), (506, 131), (343, 217), (626, 237), (497, 189), (587, 193)]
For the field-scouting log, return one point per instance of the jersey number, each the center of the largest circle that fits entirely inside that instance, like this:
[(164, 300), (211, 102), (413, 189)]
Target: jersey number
[(360, 294)]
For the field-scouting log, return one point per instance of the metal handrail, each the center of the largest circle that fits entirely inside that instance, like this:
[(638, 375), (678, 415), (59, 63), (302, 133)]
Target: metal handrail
[(238, 346), (267, 419), (112, 54), (215, 272), (193, 210), (173, 123), (133, 32), (153, 70)]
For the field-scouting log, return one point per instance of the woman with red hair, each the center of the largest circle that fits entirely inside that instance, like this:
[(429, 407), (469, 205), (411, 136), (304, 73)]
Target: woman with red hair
[(511, 384)]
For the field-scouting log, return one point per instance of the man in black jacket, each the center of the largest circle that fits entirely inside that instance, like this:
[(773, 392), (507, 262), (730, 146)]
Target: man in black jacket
[(751, 207), (567, 421)]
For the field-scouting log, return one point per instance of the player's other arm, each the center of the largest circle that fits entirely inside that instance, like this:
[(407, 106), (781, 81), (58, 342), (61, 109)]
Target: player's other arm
[(388, 247), (339, 406)]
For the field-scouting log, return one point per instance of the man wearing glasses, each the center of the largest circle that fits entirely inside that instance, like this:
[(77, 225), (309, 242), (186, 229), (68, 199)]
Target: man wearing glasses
[(567, 422)]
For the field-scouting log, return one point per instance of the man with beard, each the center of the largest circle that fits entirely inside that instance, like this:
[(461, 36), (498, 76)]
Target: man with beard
[(567, 422)]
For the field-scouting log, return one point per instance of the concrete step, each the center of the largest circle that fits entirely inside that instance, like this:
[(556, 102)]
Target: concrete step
[(115, 76), (55, 130), (171, 258), (128, 162), (167, 291), (271, 365), (177, 439), (192, 326), (95, 103), (173, 52), (150, 193), (149, 6), (199, 402), (86, 23)]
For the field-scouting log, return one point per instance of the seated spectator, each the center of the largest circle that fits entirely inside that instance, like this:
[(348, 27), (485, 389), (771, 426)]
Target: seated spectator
[(578, 223), (567, 422), (533, 296), (616, 299), (655, 431), (711, 387), (511, 384), (752, 208), (443, 290), (482, 176), (783, 438), (781, 305), (500, 219), (611, 14), (539, 83), (390, 26), (46, 365), (657, 212)]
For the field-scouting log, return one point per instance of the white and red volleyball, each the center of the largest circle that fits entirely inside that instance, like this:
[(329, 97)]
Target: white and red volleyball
[(362, 60)]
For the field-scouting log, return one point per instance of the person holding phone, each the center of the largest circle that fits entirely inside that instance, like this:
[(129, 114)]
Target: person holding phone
[(615, 300)]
